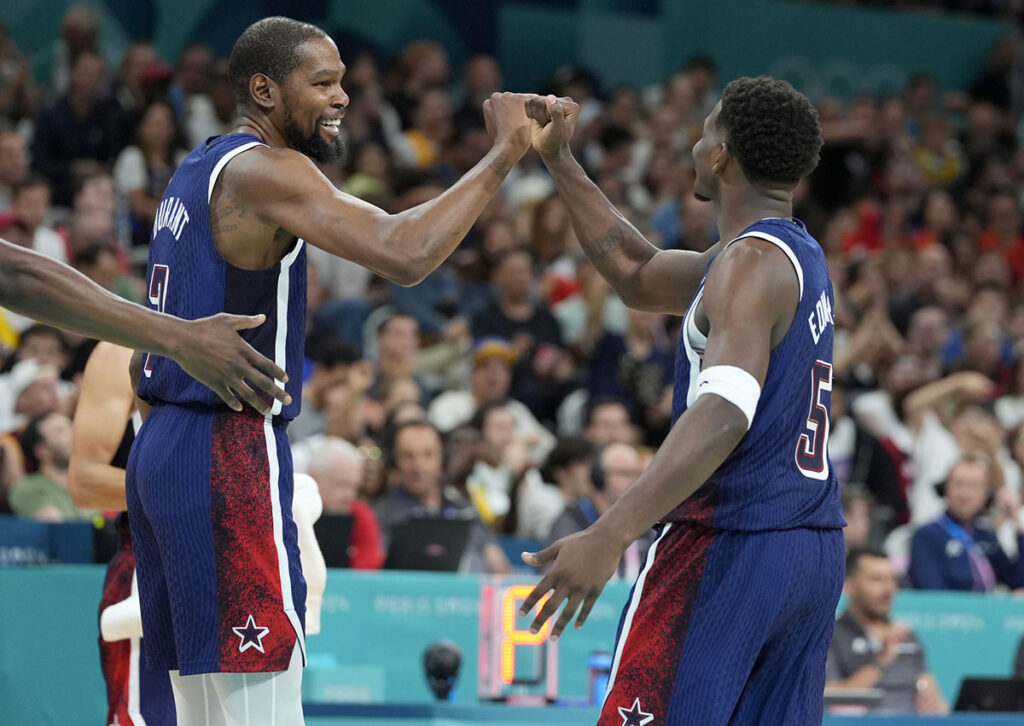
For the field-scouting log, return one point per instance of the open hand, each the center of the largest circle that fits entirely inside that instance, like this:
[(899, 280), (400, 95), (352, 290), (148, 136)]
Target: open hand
[(583, 564), (553, 122), (215, 354)]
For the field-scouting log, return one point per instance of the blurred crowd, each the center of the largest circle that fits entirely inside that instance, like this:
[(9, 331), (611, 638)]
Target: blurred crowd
[(511, 387)]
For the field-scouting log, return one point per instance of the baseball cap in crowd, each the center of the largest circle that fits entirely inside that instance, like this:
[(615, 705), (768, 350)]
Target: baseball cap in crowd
[(493, 346)]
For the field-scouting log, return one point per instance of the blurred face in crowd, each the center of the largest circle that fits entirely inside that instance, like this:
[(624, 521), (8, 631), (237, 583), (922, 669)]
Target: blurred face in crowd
[(621, 465), (338, 475), (513, 276), (928, 330), (483, 77), (433, 115), (574, 480), (610, 423), (490, 379), (32, 204), (38, 397), (858, 517), (13, 158), (499, 428), (967, 489), (97, 194), (418, 460), (193, 71), (1004, 217), (156, 129), (871, 588), (44, 346), (398, 339), (86, 76)]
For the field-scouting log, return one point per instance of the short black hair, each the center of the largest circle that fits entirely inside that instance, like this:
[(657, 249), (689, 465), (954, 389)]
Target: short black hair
[(856, 554), (271, 47), (43, 331), (329, 350), (772, 129), (599, 402), (568, 451), (31, 437)]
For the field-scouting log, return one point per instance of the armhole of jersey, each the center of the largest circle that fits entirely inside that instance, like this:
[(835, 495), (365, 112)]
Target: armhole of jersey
[(222, 162), (785, 249)]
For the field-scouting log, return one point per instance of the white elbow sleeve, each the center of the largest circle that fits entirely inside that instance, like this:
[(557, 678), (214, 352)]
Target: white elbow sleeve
[(733, 384)]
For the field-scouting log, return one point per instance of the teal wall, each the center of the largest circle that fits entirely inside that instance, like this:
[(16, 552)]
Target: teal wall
[(375, 628), (822, 48)]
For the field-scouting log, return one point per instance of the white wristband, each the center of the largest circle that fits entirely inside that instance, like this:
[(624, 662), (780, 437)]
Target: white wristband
[(733, 384)]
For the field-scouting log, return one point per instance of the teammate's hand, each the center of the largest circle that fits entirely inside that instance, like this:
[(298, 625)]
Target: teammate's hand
[(553, 122), (506, 121), (583, 564), (215, 354)]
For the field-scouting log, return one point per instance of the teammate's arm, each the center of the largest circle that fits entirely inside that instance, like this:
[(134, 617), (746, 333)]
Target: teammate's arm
[(749, 300), (645, 277), (106, 397), (288, 191), (209, 349)]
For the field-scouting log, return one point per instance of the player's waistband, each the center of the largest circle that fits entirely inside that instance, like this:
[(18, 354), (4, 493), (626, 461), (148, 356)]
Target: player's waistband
[(211, 409)]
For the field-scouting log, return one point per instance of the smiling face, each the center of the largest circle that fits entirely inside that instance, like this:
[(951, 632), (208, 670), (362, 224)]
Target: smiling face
[(313, 101)]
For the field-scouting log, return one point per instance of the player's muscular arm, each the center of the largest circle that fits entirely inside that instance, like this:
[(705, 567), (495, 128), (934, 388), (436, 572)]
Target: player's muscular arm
[(104, 406), (287, 190), (749, 300), (644, 276)]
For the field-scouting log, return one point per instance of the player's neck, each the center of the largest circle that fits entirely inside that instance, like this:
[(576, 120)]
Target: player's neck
[(259, 125), (741, 206)]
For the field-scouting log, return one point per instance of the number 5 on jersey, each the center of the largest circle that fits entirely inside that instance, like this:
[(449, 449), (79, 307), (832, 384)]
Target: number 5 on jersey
[(812, 446), (158, 299)]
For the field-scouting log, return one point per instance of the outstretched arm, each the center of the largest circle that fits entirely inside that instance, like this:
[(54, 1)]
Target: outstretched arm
[(287, 191), (751, 293), (209, 349), (644, 276)]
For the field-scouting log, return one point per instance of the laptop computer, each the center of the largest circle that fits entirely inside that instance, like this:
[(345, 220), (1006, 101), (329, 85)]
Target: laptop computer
[(334, 535), (1005, 695), (428, 543)]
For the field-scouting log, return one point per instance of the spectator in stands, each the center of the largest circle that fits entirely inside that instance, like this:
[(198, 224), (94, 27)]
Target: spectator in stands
[(13, 166), (608, 421), (29, 390), (398, 342), (869, 650), (419, 492), (503, 459), (960, 551), (46, 442), (330, 360), (858, 508), (19, 94), (82, 124), (565, 478), (32, 207), (615, 466), (337, 467), (144, 168)]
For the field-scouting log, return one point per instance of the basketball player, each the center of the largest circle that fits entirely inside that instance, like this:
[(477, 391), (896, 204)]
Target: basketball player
[(105, 424), (210, 490), (729, 621), (209, 350)]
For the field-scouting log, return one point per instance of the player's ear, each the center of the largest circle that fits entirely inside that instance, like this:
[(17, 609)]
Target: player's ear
[(263, 91), (720, 158)]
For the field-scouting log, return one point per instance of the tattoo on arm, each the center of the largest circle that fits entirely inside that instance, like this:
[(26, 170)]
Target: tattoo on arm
[(606, 244), (501, 166), (226, 215)]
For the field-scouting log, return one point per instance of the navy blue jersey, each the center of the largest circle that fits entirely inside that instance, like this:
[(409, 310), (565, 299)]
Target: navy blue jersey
[(189, 279), (779, 476)]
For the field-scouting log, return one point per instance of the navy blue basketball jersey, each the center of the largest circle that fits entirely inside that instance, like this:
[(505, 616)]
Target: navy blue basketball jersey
[(779, 476), (189, 279)]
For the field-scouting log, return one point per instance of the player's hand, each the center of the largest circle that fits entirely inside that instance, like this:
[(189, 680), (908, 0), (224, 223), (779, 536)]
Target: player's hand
[(583, 564), (553, 122), (215, 354), (506, 121)]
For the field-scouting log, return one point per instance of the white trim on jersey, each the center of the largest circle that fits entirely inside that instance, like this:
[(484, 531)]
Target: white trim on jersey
[(281, 334), (785, 249), (634, 603), (222, 162), (691, 354)]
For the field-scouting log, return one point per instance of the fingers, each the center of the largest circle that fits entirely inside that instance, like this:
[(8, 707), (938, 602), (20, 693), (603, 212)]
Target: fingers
[(588, 605), (265, 374), (539, 559), (537, 109), (245, 322), (565, 618), (248, 395), (549, 609), (535, 594), (228, 397), (556, 109)]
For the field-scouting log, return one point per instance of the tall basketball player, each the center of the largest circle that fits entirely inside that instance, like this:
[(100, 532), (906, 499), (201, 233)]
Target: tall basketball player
[(209, 489), (730, 620)]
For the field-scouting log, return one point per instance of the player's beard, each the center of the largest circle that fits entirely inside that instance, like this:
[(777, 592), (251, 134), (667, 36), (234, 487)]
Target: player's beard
[(315, 146)]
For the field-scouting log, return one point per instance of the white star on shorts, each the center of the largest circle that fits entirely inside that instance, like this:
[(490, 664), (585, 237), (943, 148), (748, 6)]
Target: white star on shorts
[(252, 635)]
